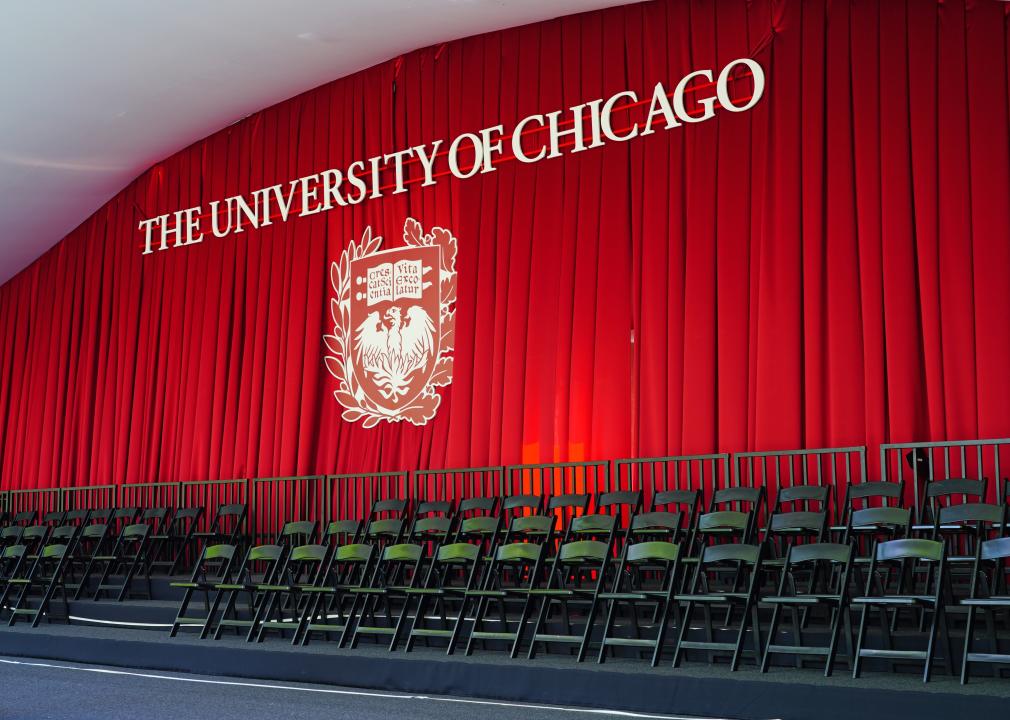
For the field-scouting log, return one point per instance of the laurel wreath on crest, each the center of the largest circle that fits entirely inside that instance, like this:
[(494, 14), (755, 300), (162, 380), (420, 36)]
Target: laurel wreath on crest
[(340, 362)]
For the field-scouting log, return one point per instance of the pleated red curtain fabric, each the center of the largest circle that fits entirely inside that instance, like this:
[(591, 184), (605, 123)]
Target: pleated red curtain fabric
[(828, 268)]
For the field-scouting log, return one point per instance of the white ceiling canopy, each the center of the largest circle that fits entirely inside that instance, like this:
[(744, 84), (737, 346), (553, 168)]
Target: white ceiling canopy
[(93, 93)]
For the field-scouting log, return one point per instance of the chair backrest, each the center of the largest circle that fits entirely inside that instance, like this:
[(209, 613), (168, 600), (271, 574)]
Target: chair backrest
[(880, 519), (299, 532), (64, 533), (388, 528), (342, 532), (100, 515), (970, 513), (54, 551), (514, 503), (127, 514), (656, 522), (944, 493), (431, 526), (402, 553), (593, 524), (395, 508), (35, 533), (184, 521), (724, 520), (819, 552), (584, 552), (909, 549), (14, 552), (221, 551), (94, 531), (631, 500), (653, 551), (997, 549), (53, 518), (136, 532), (231, 510), (433, 507), (220, 557), (798, 522), (309, 553), (78, 517), (811, 498), (743, 498), (11, 534), (524, 552), (731, 552), (353, 553), (187, 515), (25, 517), (155, 517), (866, 495), (529, 525), (482, 525), (572, 502), (458, 553), (482, 505)]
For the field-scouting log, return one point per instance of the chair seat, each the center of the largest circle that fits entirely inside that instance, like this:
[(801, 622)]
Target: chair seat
[(642, 595), (712, 597), (427, 591), (995, 601), (922, 600), (801, 600)]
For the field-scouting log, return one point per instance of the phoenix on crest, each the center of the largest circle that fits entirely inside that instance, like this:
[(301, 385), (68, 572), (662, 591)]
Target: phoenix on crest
[(392, 347)]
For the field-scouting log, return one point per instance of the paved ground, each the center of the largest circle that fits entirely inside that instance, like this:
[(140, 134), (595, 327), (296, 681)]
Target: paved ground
[(54, 690)]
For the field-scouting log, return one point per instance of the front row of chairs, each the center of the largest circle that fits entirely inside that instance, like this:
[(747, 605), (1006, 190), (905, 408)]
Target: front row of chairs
[(534, 593)]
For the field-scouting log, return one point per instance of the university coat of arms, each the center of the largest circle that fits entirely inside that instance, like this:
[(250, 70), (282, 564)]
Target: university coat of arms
[(393, 326)]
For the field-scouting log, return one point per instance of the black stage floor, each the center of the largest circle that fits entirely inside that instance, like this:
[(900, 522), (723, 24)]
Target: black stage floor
[(696, 688)]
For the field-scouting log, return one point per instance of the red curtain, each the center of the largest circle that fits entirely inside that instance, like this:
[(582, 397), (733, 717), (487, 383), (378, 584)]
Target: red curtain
[(828, 268)]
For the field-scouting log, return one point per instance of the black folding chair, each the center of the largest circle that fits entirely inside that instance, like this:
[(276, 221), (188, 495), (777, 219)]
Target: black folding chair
[(578, 573), (399, 567), (261, 565), (814, 575), (629, 589), (348, 569), (893, 561), (169, 549), (44, 576), (739, 558), (287, 596), (989, 595), (518, 565), (214, 566), (127, 558), (454, 570), (292, 534)]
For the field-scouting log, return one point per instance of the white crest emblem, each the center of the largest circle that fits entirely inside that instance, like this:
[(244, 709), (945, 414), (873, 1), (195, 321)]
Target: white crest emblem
[(393, 326)]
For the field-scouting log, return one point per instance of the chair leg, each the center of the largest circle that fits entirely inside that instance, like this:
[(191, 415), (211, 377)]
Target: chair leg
[(211, 614), (684, 625), (588, 634), (521, 629), (836, 627), (931, 646), (772, 629), (545, 606), (608, 625), (860, 638), (458, 626), (969, 630)]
